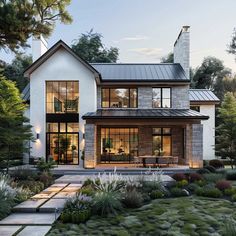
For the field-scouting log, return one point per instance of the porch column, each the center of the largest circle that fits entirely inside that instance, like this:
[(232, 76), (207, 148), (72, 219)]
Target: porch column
[(90, 146), (194, 145)]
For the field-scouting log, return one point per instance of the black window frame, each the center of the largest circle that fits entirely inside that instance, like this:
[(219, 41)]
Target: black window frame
[(195, 108), (162, 134), (109, 97), (161, 97)]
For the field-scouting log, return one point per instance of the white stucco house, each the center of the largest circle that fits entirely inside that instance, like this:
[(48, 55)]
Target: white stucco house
[(118, 112)]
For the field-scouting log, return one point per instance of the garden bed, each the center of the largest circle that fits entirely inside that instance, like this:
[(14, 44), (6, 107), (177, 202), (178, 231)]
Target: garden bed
[(173, 216)]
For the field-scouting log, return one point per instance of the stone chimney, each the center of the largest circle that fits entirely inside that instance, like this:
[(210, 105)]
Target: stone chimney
[(39, 47), (182, 49)]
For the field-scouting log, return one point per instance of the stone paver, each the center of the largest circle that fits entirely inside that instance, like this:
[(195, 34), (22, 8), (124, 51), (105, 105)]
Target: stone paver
[(29, 206), (34, 231), (30, 219), (53, 189), (52, 205), (71, 189), (44, 195), (64, 195), (8, 230)]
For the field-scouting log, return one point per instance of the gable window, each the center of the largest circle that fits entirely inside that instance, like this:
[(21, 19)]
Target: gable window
[(161, 97), (62, 96), (119, 97), (161, 141)]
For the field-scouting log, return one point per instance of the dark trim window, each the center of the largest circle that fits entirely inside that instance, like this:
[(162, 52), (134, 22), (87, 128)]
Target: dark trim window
[(161, 141), (195, 108), (62, 96), (119, 98), (161, 97)]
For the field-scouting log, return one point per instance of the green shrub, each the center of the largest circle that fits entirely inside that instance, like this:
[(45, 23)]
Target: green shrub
[(132, 199), (192, 187), (234, 198), (6, 203), (209, 192), (34, 186), (155, 194), (105, 203), (177, 192), (45, 166), (87, 182), (179, 176), (200, 183), (213, 177), (223, 185), (80, 216), (23, 173), (231, 175), (182, 183), (216, 163), (149, 186), (230, 191), (88, 190), (66, 216), (146, 197)]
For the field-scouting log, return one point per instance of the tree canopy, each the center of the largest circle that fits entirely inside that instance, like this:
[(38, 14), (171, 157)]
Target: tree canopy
[(168, 58), (232, 45), (14, 71), (226, 131), (14, 129), (210, 75), (20, 19), (90, 48)]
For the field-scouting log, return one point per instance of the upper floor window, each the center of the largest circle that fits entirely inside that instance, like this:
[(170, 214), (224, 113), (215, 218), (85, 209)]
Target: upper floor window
[(161, 97), (119, 97), (62, 96)]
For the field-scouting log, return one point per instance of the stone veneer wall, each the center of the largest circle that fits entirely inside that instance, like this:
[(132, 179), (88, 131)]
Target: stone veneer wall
[(145, 140), (180, 97), (99, 97), (145, 97), (90, 146), (177, 144)]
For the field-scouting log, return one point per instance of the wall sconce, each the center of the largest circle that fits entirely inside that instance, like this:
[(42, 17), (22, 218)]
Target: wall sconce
[(83, 135), (37, 136)]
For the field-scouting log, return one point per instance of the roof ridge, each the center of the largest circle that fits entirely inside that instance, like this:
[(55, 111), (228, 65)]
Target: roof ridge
[(132, 63)]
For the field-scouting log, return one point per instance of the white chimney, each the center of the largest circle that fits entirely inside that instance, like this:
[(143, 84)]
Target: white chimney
[(182, 49), (39, 47)]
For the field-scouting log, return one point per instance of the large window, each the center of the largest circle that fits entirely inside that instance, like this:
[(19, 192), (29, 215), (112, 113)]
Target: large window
[(161, 97), (119, 97), (62, 96), (63, 142), (195, 108), (119, 144), (161, 141)]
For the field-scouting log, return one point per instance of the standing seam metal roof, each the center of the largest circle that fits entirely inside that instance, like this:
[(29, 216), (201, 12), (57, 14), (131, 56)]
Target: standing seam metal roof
[(141, 72), (202, 95)]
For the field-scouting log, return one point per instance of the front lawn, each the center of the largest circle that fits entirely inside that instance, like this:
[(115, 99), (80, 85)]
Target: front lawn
[(173, 216)]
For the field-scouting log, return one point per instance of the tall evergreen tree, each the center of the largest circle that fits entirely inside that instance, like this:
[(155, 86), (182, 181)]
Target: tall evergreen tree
[(226, 131), (232, 45), (14, 129)]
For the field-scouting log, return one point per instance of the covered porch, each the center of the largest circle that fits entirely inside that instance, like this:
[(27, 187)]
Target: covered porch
[(138, 139)]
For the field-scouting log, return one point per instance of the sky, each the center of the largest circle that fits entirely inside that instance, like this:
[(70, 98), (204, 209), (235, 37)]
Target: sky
[(145, 30)]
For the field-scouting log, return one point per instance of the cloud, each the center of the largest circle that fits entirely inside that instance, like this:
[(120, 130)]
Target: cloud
[(135, 38), (148, 52)]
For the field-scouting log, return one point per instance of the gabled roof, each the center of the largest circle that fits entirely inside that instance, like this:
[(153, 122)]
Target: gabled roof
[(144, 114), (135, 72), (51, 51), (202, 96)]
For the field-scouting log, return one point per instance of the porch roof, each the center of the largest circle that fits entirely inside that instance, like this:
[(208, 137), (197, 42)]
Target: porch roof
[(144, 114)]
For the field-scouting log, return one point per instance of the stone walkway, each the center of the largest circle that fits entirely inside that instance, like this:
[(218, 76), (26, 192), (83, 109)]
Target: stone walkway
[(35, 216)]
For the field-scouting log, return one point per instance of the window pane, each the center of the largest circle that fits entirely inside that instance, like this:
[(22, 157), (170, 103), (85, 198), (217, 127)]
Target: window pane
[(62, 127), (166, 145), (166, 93), (195, 108), (52, 127), (119, 98), (133, 98), (165, 103), (105, 97), (156, 130), (166, 130), (156, 145), (156, 97), (72, 127)]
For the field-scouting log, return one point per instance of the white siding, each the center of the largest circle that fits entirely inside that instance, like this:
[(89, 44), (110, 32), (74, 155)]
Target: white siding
[(208, 131), (61, 66)]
